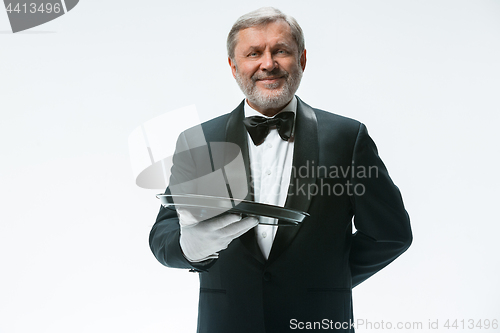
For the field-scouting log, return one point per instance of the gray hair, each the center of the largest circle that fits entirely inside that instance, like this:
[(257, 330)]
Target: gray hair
[(263, 16)]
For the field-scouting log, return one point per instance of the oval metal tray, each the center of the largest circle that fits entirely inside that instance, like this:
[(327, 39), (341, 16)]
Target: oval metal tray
[(203, 204)]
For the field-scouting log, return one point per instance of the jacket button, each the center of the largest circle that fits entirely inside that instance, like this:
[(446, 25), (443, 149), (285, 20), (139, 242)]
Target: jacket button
[(267, 276)]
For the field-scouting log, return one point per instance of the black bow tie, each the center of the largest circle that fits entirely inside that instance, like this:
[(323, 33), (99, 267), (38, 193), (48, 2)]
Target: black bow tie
[(258, 127)]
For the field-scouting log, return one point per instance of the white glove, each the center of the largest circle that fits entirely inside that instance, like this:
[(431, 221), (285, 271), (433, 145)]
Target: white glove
[(203, 240)]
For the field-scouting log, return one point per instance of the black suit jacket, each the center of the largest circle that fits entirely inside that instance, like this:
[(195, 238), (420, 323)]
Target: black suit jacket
[(313, 267)]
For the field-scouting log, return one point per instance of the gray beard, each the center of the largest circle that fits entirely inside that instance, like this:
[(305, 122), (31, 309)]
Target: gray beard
[(275, 98)]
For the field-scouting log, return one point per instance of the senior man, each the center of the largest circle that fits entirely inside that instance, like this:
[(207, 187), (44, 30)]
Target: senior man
[(260, 277)]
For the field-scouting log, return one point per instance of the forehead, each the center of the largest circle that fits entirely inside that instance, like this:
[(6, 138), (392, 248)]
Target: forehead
[(278, 32)]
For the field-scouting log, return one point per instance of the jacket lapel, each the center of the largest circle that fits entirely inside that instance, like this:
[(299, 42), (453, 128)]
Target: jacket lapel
[(305, 154), (236, 133)]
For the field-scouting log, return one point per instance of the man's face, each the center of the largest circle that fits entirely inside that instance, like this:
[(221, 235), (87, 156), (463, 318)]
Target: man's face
[(267, 66)]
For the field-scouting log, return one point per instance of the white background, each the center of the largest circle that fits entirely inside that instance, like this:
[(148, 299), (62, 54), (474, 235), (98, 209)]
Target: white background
[(424, 76)]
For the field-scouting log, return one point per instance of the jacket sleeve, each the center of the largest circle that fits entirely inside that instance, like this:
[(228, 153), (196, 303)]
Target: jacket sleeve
[(165, 234), (382, 223)]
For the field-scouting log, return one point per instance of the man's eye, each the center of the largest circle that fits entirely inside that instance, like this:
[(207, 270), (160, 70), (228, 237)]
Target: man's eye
[(253, 54), (282, 52)]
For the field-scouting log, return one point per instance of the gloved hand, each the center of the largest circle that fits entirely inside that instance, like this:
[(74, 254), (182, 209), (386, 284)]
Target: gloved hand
[(203, 240)]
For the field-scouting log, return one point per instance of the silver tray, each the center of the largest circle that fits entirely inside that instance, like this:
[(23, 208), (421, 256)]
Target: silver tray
[(208, 204)]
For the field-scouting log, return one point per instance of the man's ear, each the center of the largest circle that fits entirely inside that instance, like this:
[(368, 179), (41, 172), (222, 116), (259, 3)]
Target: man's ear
[(232, 64), (303, 60)]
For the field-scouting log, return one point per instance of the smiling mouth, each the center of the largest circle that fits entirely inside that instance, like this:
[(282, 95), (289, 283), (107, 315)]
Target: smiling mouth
[(270, 79)]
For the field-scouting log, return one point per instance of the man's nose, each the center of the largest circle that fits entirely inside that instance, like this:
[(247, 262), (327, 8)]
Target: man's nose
[(268, 62)]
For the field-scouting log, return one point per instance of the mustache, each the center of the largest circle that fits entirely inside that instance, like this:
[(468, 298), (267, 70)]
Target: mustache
[(272, 74)]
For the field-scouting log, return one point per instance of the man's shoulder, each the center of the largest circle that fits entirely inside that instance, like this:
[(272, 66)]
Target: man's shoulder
[(328, 121), (216, 123), (334, 117), (215, 128), (333, 127), (330, 117)]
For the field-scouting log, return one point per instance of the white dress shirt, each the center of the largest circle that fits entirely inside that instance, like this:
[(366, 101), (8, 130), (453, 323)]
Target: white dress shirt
[(271, 167)]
